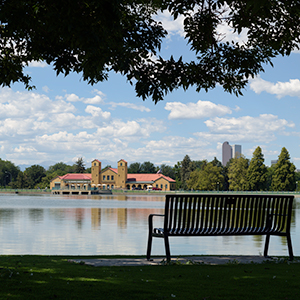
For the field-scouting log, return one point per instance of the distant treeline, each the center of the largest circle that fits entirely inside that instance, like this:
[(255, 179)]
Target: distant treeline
[(240, 174)]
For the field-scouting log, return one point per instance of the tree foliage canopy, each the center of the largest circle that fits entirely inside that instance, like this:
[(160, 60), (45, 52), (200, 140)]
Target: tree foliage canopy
[(8, 172), (208, 178), (134, 168), (167, 171), (257, 172), (186, 167), (284, 173), (79, 165), (95, 37), (33, 175), (237, 173)]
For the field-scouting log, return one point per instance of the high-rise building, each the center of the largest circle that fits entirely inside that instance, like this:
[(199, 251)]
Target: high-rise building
[(229, 152), (236, 151), (274, 162), (226, 153)]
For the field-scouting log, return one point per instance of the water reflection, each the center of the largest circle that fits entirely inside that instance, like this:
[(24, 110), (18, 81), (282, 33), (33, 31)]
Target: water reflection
[(101, 225), (36, 215)]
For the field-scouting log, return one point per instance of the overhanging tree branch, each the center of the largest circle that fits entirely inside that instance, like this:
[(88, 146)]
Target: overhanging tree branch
[(95, 37)]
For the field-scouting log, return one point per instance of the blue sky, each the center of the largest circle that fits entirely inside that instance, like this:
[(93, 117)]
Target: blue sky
[(65, 118)]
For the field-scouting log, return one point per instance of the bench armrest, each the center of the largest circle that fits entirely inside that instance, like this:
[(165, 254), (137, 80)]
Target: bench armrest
[(150, 220), (155, 215)]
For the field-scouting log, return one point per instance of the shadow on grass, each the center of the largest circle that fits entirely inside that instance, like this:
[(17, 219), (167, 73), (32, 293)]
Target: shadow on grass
[(53, 277)]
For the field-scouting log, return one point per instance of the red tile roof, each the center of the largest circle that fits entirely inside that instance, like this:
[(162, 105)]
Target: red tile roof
[(130, 177), (76, 176), (147, 177), (114, 170)]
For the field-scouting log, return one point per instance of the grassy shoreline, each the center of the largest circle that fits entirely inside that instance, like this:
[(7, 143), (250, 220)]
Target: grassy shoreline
[(54, 277), (147, 193)]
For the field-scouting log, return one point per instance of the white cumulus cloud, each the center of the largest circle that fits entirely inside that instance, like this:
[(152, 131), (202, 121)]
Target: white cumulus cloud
[(141, 108), (280, 89), (199, 110), (247, 129), (97, 112), (37, 64)]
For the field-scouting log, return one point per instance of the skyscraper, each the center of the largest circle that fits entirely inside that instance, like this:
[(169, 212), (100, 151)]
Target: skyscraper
[(236, 151), (229, 152), (226, 153)]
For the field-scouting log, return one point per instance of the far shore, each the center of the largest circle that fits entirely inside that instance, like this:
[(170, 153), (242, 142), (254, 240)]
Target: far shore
[(146, 193)]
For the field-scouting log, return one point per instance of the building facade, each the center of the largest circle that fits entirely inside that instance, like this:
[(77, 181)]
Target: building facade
[(113, 178)]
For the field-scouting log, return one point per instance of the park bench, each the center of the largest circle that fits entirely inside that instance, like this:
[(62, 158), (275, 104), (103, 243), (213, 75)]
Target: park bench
[(224, 215)]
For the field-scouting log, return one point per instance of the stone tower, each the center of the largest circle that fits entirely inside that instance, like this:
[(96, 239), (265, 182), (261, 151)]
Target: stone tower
[(122, 174), (96, 173)]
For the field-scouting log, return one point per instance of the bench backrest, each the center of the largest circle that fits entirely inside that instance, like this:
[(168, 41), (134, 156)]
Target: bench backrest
[(227, 213)]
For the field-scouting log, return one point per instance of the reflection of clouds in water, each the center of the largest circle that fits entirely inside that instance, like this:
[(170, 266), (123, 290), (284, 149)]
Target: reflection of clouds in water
[(119, 229)]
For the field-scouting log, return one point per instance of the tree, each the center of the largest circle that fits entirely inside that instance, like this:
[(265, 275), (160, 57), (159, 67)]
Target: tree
[(284, 173), (60, 168), (33, 176), (21, 182), (134, 168), (216, 162), (237, 173), (79, 165), (270, 174), (209, 178), (8, 173), (297, 178), (167, 171), (185, 170), (45, 181), (257, 172), (96, 37), (148, 167), (177, 171)]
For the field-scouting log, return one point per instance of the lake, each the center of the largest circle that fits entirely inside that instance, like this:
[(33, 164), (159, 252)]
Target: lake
[(110, 225)]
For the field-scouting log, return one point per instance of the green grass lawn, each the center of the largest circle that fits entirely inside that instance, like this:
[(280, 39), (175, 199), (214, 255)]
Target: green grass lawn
[(53, 277)]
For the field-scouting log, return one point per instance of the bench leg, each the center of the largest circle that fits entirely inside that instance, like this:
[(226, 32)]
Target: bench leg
[(167, 247), (289, 242), (149, 246), (267, 245)]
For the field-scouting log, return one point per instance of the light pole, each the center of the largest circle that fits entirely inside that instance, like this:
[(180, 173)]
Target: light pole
[(9, 174), (218, 186)]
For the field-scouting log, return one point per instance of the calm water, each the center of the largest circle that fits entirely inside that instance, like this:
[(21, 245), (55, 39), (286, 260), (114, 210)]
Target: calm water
[(102, 225)]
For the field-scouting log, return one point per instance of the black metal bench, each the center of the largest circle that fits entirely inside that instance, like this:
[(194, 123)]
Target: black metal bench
[(224, 215)]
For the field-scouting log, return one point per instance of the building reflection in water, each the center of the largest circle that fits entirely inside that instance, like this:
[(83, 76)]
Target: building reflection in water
[(96, 218)]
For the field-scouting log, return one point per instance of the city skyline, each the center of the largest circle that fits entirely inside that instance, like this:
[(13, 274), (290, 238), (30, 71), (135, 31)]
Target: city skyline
[(228, 152)]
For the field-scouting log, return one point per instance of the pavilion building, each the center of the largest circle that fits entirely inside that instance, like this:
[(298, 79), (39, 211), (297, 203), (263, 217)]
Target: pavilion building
[(110, 178)]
